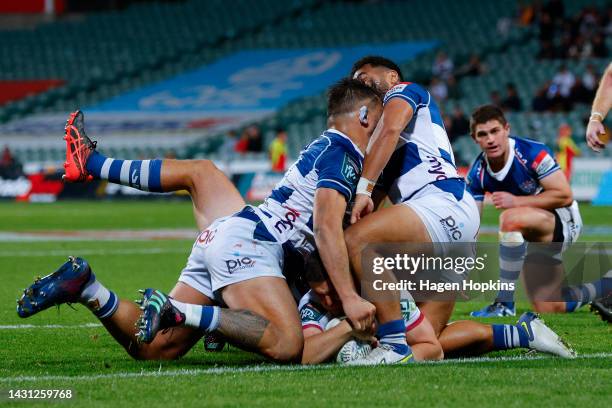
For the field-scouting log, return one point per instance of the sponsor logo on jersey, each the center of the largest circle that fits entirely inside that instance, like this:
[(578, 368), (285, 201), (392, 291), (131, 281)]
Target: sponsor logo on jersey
[(286, 222), (543, 163), (520, 157), (528, 186), (207, 236), (452, 228), (134, 178), (237, 264), (350, 170), (435, 167), (310, 313), (396, 89)]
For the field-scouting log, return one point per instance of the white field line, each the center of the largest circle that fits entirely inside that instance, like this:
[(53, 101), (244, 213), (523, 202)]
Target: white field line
[(98, 235), (48, 326), (260, 368), (79, 252)]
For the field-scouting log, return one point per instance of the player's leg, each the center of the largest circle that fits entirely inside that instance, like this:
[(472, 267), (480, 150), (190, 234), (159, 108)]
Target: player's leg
[(213, 195), (469, 338), (517, 226), (278, 332), (247, 272), (398, 223), (543, 262), (424, 342), (466, 338), (75, 282), (170, 344), (438, 313), (262, 317)]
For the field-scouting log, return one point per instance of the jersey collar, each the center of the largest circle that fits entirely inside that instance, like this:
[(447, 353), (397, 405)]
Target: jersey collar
[(500, 175), (339, 133)]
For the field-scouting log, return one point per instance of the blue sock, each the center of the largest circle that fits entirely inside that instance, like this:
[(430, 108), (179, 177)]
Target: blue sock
[(580, 295), (509, 336), (205, 318), (511, 258), (572, 306), (393, 333), (141, 174)]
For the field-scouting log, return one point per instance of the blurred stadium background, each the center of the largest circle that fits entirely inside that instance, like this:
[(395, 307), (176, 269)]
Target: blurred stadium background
[(218, 79)]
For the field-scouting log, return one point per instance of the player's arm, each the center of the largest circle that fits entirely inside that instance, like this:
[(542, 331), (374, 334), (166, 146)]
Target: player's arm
[(396, 115), (556, 194), (320, 346), (601, 106), (329, 208)]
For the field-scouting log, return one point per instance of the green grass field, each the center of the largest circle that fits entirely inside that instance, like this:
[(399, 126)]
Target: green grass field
[(77, 353)]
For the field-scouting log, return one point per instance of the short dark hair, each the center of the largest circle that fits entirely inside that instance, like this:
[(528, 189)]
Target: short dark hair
[(485, 113), (345, 94), (376, 61), (314, 271)]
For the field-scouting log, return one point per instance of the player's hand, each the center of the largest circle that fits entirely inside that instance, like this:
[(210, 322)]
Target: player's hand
[(503, 200), (593, 130), (366, 335), (359, 312), (363, 206)]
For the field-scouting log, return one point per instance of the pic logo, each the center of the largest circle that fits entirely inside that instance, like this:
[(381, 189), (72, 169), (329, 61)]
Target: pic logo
[(286, 224), (237, 264), (451, 227)]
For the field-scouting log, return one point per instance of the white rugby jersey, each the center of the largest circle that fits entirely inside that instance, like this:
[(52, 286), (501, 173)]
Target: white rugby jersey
[(423, 154), (286, 216)]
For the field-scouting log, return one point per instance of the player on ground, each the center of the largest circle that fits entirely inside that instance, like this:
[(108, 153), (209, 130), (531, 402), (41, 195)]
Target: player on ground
[(528, 185), (240, 257), (119, 317), (325, 336), (431, 205)]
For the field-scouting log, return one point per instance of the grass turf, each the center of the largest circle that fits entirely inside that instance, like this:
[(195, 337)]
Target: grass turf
[(87, 360)]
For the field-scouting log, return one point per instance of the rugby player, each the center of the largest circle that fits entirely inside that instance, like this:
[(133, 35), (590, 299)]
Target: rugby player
[(421, 180), (431, 204), (602, 103), (601, 106), (325, 335), (237, 259), (537, 203)]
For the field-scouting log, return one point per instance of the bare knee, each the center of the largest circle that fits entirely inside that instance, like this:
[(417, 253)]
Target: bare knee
[(511, 220), (203, 167)]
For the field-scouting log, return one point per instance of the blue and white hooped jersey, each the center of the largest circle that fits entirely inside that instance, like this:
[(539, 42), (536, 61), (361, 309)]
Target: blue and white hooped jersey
[(528, 163), (423, 154), (330, 161)]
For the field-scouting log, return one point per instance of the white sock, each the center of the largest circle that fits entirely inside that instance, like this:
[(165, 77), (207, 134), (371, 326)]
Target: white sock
[(101, 301)]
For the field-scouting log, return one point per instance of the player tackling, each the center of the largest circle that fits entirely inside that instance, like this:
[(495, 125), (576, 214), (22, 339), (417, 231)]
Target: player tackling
[(239, 258)]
